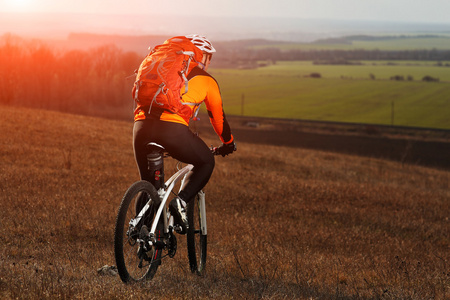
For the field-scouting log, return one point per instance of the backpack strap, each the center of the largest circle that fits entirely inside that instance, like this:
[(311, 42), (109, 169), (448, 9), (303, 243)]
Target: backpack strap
[(183, 72), (160, 89)]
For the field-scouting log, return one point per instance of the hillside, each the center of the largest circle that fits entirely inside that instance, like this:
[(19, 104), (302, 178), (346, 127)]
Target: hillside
[(283, 221)]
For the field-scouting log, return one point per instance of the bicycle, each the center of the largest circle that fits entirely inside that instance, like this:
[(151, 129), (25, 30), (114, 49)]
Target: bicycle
[(144, 230)]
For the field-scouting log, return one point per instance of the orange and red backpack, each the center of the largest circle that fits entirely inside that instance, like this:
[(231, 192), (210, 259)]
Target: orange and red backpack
[(162, 74)]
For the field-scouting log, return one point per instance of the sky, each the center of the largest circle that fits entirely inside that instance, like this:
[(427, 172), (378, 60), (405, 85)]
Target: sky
[(425, 11), (281, 20)]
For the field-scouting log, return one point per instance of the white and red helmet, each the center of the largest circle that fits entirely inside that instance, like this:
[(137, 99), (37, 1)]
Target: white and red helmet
[(201, 43)]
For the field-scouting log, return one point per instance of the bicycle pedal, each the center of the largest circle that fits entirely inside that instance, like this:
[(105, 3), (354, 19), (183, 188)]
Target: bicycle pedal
[(178, 229)]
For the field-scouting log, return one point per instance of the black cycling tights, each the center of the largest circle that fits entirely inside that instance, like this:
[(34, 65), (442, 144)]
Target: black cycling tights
[(182, 144)]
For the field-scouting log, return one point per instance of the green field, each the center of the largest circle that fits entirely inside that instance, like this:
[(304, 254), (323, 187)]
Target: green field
[(344, 93)]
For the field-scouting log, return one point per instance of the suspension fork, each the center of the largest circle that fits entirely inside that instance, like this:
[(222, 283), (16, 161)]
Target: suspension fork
[(202, 207)]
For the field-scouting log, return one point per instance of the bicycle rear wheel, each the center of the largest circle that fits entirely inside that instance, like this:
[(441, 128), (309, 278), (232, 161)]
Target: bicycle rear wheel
[(135, 260), (196, 239)]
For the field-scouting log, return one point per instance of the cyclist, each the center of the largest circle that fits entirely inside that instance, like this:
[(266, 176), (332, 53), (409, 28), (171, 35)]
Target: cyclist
[(172, 132)]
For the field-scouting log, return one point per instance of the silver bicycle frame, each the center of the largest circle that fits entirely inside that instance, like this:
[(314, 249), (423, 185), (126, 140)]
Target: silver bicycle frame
[(201, 205), (164, 195), (170, 184)]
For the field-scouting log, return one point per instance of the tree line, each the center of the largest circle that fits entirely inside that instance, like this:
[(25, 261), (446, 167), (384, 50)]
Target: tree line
[(94, 82), (250, 56)]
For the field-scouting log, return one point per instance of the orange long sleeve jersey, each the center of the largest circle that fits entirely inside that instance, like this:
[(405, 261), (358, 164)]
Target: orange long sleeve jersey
[(202, 87)]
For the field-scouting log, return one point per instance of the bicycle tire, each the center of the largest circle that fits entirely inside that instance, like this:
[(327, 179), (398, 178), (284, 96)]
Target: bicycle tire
[(130, 256), (196, 239)]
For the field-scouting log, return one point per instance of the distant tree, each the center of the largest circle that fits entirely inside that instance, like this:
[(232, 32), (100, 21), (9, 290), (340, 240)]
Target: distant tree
[(41, 68), (10, 55), (430, 79), (397, 77)]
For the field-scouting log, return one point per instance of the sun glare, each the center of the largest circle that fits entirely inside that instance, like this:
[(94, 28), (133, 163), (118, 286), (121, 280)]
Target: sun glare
[(19, 5)]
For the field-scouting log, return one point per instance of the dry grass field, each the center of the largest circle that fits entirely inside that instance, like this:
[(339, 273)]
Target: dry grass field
[(284, 222)]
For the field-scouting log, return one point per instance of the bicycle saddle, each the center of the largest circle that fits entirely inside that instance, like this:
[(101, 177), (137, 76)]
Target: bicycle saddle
[(155, 147)]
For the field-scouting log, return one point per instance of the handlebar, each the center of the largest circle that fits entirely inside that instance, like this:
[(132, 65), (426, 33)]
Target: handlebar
[(223, 150), (214, 150)]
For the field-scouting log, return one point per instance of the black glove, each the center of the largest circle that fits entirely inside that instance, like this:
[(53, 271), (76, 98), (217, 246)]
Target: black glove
[(225, 149)]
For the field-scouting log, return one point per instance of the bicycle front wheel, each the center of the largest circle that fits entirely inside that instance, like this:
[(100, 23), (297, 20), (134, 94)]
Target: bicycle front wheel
[(136, 261), (196, 238)]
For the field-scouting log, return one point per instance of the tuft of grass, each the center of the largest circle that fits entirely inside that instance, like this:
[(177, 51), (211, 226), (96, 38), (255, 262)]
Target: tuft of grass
[(283, 222)]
